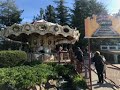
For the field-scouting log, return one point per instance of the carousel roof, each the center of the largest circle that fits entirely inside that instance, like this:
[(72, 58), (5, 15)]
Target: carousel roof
[(40, 27), (43, 21)]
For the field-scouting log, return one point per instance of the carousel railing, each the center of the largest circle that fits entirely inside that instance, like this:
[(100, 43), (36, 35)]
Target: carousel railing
[(62, 56), (42, 56)]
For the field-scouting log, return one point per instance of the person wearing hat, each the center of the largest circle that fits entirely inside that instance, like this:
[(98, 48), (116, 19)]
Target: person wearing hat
[(99, 65)]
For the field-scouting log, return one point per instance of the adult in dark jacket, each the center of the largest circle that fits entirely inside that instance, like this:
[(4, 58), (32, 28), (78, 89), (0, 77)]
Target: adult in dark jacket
[(79, 54), (99, 65), (79, 57)]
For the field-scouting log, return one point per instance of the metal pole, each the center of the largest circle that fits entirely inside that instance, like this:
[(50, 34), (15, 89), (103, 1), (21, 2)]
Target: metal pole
[(90, 64)]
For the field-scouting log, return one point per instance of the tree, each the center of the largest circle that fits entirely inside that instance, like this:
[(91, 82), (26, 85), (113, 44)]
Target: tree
[(50, 15), (62, 12), (39, 17), (117, 14), (83, 9), (9, 13)]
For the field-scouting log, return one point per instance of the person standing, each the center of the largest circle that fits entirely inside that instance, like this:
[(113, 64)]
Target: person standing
[(79, 57), (60, 53), (99, 65), (71, 54)]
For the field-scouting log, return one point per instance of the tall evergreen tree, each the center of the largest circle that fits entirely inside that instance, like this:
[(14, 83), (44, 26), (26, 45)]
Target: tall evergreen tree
[(40, 15), (62, 12), (50, 15), (9, 13), (81, 10)]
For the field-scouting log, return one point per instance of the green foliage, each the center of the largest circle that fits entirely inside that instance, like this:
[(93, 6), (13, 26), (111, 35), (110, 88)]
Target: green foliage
[(81, 10), (62, 12), (68, 73), (61, 70), (12, 58), (50, 15), (79, 81), (33, 63), (9, 13), (53, 64), (65, 70), (39, 17), (25, 76)]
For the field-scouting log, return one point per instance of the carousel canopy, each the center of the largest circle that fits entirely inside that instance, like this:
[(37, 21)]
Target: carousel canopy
[(40, 27)]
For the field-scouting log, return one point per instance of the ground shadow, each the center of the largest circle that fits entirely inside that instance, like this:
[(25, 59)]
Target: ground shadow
[(105, 84)]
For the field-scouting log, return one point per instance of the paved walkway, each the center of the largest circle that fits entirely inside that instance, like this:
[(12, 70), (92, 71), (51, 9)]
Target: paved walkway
[(105, 86)]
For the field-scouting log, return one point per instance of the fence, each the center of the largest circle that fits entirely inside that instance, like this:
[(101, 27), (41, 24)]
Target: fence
[(113, 74), (112, 70), (86, 70)]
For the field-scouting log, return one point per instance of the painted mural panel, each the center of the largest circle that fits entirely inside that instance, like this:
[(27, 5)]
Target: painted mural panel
[(102, 26)]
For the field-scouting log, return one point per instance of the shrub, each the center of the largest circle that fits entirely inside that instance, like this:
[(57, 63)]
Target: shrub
[(65, 70), (53, 64), (32, 63), (79, 81), (12, 58), (23, 77), (61, 70)]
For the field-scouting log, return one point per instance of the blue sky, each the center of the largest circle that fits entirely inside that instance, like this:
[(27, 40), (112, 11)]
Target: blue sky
[(31, 7), (113, 6)]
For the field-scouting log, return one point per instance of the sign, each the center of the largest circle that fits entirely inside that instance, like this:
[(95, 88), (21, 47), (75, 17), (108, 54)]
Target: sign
[(102, 26)]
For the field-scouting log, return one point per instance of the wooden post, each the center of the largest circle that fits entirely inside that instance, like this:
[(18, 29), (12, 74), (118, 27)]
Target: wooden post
[(90, 64)]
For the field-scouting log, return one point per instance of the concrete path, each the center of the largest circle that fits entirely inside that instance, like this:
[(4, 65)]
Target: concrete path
[(106, 86)]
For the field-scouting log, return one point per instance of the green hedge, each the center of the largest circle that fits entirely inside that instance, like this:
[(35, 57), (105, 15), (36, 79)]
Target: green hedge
[(12, 58)]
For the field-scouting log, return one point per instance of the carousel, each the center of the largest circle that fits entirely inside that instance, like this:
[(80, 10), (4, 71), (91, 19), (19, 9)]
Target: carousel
[(41, 38)]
